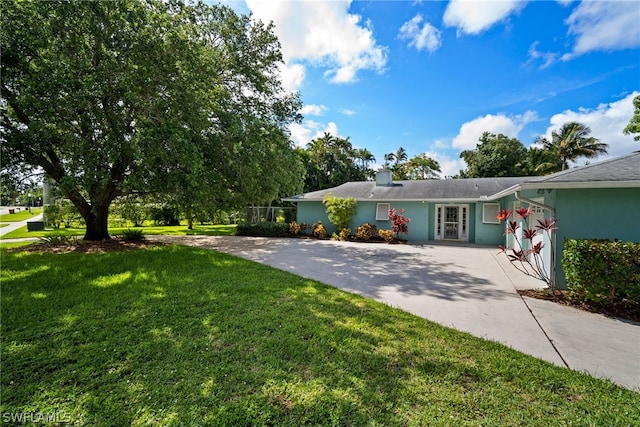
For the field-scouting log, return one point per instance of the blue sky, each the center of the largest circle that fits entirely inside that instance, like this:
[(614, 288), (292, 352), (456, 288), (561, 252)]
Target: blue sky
[(432, 76)]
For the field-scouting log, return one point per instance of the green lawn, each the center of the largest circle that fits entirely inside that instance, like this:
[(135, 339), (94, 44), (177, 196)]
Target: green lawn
[(204, 230), (20, 216), (185, 336)]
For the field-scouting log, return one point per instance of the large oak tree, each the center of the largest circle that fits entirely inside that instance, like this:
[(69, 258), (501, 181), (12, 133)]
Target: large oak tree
[(495, 155), (118, 97)]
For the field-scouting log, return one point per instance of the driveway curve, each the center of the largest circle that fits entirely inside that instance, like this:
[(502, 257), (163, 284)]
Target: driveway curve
[(466, 287)]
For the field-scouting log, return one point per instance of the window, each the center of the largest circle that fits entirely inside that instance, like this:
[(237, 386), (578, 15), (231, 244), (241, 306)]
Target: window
[(382, 211), (489, 213)]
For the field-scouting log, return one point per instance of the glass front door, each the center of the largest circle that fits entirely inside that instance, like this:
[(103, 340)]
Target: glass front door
[(451, 222)]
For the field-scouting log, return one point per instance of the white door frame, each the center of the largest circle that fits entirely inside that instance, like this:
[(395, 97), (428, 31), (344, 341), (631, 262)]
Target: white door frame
[(454, 219)]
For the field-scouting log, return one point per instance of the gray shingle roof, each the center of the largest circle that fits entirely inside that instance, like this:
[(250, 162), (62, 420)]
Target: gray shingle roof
[(624, 170), (443, 189), (619, 169)]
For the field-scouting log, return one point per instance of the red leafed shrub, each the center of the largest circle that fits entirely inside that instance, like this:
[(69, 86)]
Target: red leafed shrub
[(399, 223)]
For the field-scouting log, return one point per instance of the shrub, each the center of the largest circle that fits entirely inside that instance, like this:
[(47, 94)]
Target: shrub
[(130, 234), (69, 213), (53, 215), (387, 235), (602, 270), (527, 257), (344, 234), (319, 231), (340, 210), (130, 208), (399, 223), (59, 239), (366, 231), (294, 228), (263, 229), (165, 215)]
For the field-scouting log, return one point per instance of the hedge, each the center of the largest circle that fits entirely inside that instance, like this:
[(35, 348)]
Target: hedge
[(602, 270), (263, 229)]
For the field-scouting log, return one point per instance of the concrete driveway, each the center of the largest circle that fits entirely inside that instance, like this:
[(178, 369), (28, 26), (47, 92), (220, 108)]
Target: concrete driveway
[(466, 287)]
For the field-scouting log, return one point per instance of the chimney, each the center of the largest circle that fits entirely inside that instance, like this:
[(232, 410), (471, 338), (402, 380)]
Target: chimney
[(384, 177)]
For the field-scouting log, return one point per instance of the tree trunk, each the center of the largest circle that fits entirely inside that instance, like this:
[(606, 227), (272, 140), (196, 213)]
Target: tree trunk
[(189, 214), (97, 223)]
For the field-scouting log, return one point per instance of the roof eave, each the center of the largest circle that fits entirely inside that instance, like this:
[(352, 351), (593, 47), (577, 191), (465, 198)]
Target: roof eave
[(579, 184)]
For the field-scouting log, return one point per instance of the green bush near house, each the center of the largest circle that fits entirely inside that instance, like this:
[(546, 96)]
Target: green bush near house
[(602, 270), (340, 210)]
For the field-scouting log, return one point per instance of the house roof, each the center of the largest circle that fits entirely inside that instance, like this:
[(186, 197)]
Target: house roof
[(441, 189), (619, 169), (617, 172)]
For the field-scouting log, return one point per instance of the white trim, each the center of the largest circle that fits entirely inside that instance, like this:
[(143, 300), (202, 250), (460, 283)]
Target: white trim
[(492, 216), (382, 216)]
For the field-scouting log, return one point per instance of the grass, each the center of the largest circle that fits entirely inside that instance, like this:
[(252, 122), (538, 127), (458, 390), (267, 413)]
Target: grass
[(22, 215), (148, 230), (184, 336)]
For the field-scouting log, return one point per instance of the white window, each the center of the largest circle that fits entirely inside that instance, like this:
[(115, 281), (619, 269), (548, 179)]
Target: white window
[(489, 213), (382, 211)]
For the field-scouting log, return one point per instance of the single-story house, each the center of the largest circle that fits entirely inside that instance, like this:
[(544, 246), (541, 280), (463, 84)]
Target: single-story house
[(600, 200)]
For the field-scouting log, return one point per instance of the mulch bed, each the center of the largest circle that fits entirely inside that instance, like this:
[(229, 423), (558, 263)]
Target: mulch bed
[(629, 310), (111, 245)]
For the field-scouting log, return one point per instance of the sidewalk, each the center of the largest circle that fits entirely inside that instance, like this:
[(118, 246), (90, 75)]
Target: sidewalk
[(17, 224)]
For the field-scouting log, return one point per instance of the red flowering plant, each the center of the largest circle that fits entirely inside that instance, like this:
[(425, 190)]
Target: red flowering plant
[(399, 223), (529, 261)]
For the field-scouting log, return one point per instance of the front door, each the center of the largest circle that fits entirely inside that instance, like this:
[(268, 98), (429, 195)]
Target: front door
[(452, 222)]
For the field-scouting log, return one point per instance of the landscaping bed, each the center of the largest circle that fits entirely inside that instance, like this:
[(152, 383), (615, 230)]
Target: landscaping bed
[(626, 309)]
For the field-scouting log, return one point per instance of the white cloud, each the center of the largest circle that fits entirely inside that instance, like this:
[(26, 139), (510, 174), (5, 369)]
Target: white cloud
[(476, 16), (604, 25), (606, 122), (348, 112), (324, 34), (313, 110), (448, 166), (303, 133), (547, 58), (292, 76), (471, 131), (426, 37)]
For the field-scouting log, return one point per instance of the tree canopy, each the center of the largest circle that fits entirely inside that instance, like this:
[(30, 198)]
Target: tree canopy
[(495, 155), (567, 144), (499, 155), (122, 97), (634, 124), (331, 161)]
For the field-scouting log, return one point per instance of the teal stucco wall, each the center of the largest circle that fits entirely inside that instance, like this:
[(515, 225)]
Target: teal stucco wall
[(602, 213), (417, 212), (487, 233)]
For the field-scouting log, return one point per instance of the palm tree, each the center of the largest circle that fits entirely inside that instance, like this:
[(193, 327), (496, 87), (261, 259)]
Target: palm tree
[(401, 155), (571, 142), (365, 156), (388, 158)]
